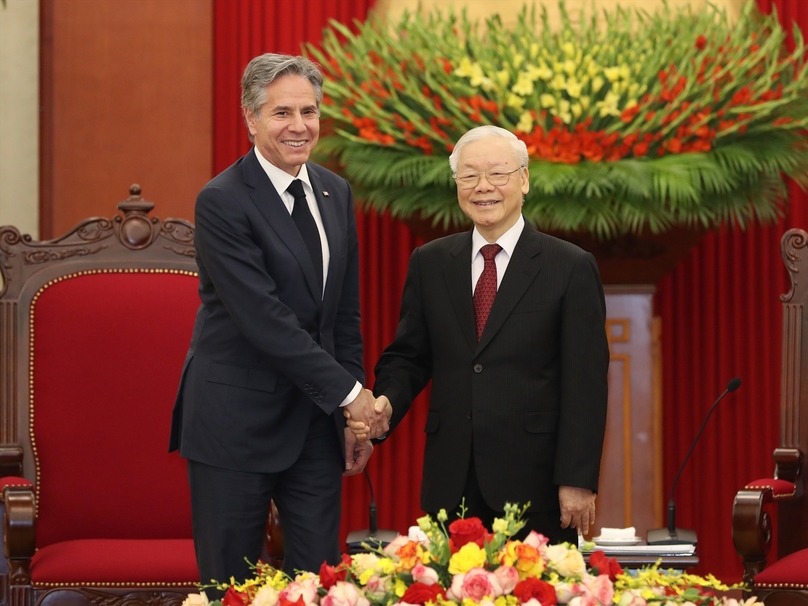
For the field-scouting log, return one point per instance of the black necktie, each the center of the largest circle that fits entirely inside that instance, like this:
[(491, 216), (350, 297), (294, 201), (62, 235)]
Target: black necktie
[(307, 228)]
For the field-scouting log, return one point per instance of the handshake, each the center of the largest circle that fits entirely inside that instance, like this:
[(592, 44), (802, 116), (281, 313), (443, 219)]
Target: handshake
[(368, 417)]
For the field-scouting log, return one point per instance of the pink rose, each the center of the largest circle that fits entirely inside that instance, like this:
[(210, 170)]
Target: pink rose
[(535, 539), (600, 587), (377, 587), (344, 594), (632, 597), (475, 584), (305, 589), (424, 574), (508, 577), (585, 600)]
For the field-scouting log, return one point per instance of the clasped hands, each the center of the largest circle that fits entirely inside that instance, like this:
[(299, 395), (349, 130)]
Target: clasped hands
[(368, 417)]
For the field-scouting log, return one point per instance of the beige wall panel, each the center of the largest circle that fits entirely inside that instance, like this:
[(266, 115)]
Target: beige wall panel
[(19, 115), (130, 100)]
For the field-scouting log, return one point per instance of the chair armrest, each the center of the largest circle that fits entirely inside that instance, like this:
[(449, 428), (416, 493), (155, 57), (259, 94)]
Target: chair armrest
[(752, 528), (10, 461), (19, 528)]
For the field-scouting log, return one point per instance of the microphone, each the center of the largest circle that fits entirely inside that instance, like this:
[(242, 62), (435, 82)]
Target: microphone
[(681, 536), (371, 536)]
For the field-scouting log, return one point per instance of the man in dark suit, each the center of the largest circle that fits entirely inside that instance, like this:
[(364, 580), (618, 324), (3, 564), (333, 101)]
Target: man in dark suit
[(276, 349), (509, 324)]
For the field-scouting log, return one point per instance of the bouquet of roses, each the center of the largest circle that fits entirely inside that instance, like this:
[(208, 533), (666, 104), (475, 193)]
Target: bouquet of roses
[(465, 564)]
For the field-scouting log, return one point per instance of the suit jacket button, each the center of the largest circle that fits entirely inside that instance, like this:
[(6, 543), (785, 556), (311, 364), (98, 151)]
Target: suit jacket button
[(468, 414), (319, 399), (478, 368)]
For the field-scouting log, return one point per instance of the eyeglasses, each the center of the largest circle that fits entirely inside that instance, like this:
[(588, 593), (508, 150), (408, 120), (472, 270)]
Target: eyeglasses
[(495, 177)]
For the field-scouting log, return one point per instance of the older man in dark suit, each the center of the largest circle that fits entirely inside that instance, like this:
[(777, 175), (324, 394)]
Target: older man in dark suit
[(276, 350), (509, 323)]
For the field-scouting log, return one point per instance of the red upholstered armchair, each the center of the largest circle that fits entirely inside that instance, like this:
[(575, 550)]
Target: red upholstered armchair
[(94, 327), (785, 582)]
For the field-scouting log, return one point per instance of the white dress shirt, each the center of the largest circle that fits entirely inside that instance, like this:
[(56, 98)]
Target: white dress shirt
[(507, 241)]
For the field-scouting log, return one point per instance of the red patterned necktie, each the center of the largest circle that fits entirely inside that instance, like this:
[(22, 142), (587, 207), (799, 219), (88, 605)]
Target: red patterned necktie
[(486, 288)]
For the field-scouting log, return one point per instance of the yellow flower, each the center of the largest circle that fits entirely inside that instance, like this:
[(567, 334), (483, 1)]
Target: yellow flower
[(503, 76), (425, 522), (576, 110), (500, 525), (559, 82), (547, 100), (608, 107), (401, 587), (464, 69), (570, 67), (611, 73), (568, 49), (523, 85), (534, 50), (543, 71), (584, 101), (625, 72), (597, 84), (573, 88), (564, 111), (592, 69), (517, 60), (525, 123), (442, 516), (514, 101), (467, 557)]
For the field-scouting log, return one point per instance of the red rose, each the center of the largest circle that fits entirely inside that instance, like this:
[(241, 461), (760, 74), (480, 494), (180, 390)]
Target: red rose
[(232, 597), (467, 530), (605, 565), (421, 593), (532, 587), (284, 601)]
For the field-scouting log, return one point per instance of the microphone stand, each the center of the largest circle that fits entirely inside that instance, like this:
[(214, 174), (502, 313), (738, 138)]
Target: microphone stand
[(371, 535), (683, 536)]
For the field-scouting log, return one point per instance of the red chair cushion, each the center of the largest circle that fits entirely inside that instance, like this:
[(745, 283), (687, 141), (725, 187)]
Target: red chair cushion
[(106, 562), (107, 353), (780, 488), (789, 572), (14, 481)]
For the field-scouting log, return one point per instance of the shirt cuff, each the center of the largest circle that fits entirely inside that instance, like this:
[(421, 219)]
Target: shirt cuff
[(353, 395)]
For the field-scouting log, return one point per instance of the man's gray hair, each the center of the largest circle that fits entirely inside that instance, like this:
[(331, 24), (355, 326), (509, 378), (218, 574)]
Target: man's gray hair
[(265, 69), (488, 130)]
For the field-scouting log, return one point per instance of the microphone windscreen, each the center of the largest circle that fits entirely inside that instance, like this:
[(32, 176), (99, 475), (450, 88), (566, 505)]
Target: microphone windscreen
[(733, 384)]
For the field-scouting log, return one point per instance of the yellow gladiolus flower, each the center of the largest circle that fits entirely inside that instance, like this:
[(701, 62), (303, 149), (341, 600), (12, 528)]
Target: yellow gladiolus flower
[(573, 88), (543, 71), (597, 84), (584, 101), (514, 101), (547, 100), (467, 557), (503, 76), (592, 69), (625, 71), (464, 69), (525, 123), (559, 82), (576, 110), (612, 73), (517, 60), (570, 67), (608, 107), (568, 49), (534, 50), (523, 85)]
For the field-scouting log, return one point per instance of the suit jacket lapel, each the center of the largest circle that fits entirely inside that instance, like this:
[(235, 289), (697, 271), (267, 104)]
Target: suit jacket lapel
[(328, 214), (523, 267), (457, 274), (270, 205)]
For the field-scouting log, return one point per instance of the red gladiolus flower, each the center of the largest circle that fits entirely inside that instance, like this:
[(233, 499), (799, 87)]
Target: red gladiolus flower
[(421, 593), (701, 42)]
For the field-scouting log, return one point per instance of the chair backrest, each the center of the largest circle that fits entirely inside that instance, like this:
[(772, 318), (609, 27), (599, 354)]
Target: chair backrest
[(790, 458), (94, 328)]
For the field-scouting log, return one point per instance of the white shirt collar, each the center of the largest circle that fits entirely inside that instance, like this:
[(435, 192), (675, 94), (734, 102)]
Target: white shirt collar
[(281, 179), (507, 240)]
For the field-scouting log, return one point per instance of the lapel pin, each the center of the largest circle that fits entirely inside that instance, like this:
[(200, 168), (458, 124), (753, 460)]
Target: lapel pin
[(325, 193)]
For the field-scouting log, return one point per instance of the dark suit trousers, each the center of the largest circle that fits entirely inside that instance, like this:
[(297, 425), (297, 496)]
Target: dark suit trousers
[(547, 523), (230, 509)]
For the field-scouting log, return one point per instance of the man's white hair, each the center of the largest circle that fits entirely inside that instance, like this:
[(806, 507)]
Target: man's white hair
[(488, 130)]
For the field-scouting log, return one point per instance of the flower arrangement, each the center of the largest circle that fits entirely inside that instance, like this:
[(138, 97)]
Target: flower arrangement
[(466, 565), (632, 121)]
